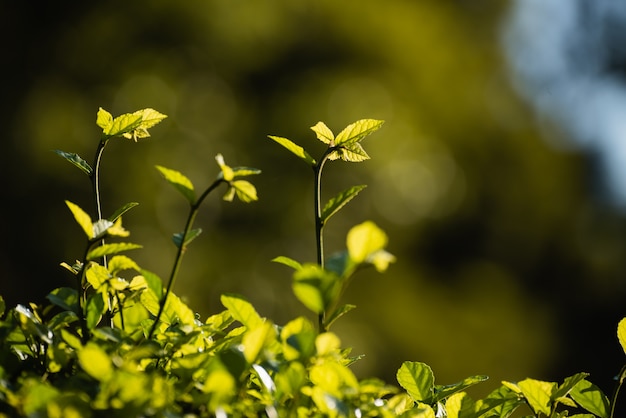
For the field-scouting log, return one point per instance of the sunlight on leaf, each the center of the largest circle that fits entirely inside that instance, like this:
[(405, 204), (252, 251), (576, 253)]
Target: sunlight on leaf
[(108, 249), (95, 309), (323, 133), (591, 397), (227, 172), (621, 333), (365, 239), (246, 192), (417, 379), (255, 339), (122, 210), (356, 131), (241, 310), (295, 149), (96, 362), (353, 153), (100, 228), (103, 118), (289, 262), (538, 394), (245, 171), (179, 181), (82, 218)]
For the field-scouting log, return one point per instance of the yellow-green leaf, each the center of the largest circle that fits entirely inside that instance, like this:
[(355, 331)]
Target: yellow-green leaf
[(227, 172), (417, 379), (255, 339), (295, 149), (96, 362), (108, 249), (246, 192), (356, 131), (103, 118), (179, 181), (83, 219), (241, 310), (353, 153), (621, 333), (365, 239), (538, 394), (323, 133)]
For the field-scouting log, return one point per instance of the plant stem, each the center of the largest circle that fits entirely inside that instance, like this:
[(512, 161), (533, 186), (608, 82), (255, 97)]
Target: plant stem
[(193, 212), (319, 222), (617, 389)]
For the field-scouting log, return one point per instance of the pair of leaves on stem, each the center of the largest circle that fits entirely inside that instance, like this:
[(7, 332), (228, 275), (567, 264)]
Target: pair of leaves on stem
[(346, 145), (129, 125)]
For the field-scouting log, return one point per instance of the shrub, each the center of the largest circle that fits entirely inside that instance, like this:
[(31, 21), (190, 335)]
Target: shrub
[(122, 344)]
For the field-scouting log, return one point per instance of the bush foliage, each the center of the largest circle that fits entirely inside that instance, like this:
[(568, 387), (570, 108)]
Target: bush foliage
[(120, 343)]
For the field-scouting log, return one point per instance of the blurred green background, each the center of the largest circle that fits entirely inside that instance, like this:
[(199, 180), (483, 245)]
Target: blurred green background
[(508, 263)]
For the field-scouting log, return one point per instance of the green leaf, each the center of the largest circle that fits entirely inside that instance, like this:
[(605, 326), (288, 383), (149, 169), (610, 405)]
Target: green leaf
[(108, 249), (245, 171), (241, 310), (590, 397), (95, 309), (295, 149), (246, 192), (356, 131), (97, 275), (336, 203), (64, 297), (316, 288), (38, 396), (568, 384), (96, 362), (191, 235), (149, 118), (538, 394), (120, 263), (76, 160), (180, 182), (341, 311), (227, 172), (323, 133), (418, 380), (621, 333), (32, 324), (121, 125), (154, 282), (82, 218), (289, 262), (363, 240), (3, 306), (118, 213), (103, 118), (353, 153), (255, 339), (443, 392)]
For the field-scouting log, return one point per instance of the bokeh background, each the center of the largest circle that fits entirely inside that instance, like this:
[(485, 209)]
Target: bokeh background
[(496, 175)]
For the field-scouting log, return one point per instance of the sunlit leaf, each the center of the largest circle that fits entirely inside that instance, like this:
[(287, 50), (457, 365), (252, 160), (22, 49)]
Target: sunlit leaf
[(315, 287), (246, 192), (103, 118), (340, 200), (149, 117), (323, 133), (191, 235), (568, 384), (121, 125), (117, 230), (97, 275), (120, 263), (227, 172), (356, 131), (76, 160), (180, 182), (37, 397), (245, 171), (83, 219), (538, 394), (108, 249), (591, 397), (255, 339), (95, 309), (241, 310), (298, 339), (443, 392), (365, 239), (289, 262), (417, 379), (118, 213), (154, 282), (381, 259), (96, 362), (295, 149), (327, 343), (353, 153), (621, 333), (32, 324)]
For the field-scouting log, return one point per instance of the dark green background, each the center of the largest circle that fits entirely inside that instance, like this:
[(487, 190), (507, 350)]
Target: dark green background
[(508, 262)]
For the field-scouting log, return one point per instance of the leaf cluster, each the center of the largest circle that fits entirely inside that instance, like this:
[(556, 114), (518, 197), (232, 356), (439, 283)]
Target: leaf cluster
[(121, 343)]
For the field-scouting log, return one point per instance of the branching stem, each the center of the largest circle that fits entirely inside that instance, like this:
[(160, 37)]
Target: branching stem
[(193, 212)]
